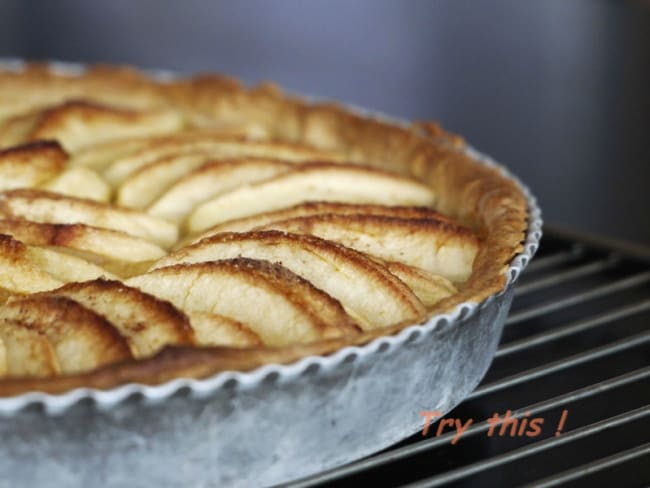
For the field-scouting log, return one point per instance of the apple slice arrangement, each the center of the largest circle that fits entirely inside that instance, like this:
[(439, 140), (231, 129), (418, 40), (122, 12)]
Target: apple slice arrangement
[(130, 223)]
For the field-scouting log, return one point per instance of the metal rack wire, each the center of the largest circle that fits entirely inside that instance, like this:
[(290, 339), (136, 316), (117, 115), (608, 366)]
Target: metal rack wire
[(577, 341)]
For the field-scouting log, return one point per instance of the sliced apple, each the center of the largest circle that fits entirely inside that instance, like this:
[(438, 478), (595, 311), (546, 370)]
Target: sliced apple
[(276, 304), (437, 247), (78, 123), (97, 156), (16, 129), (79, 182), (31, 164), (146, 322), (29, 269), (216, 330), (210, 180), (64, 266), (100, 155), (173, 186), (308, 209), (25, 352), (320, 181), (210, 147), (429, 288), (46, 207), (368, 292), (81, 339), (17, 273), (143, 186), (95, 244)]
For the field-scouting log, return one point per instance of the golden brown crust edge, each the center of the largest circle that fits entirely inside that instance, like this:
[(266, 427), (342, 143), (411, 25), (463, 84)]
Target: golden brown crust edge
[(478, 195)]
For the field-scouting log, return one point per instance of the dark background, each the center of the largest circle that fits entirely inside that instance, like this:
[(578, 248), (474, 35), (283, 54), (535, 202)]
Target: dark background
[(558, 90)]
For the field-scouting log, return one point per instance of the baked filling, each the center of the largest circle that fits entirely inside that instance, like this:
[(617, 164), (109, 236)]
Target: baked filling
[(151, 230)]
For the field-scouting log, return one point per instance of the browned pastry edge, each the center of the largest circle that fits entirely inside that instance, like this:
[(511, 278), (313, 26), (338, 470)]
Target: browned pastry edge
[(44, 149), (477, 195)]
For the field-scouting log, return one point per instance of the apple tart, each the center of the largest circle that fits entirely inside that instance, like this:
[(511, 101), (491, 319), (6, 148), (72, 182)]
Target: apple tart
[(153, 229)]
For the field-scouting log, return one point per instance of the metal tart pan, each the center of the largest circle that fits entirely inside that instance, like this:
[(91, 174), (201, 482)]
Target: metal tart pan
[(268, 426)]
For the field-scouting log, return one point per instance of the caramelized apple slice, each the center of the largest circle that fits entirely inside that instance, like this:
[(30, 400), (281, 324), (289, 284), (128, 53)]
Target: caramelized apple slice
[(212, 329), (367, 291), (93, 243), (76, 123), (210, 147), (45, 207), (176, 185), (81, 339), (79, 182), (428, 287), (331, 182), (99, 156), (210, 180), (25, 352), (279, 306), (31, 164), (63, 266), (17, 273), (27, 269), (434, 246), (308, 209), (146, 322)]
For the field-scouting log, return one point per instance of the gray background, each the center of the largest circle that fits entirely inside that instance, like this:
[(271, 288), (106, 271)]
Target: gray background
[(555, 89)]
